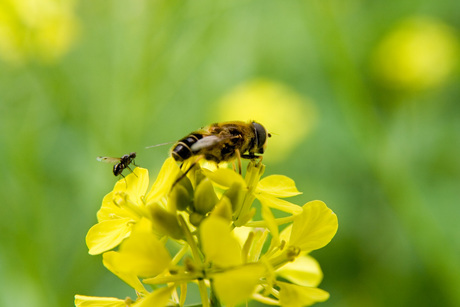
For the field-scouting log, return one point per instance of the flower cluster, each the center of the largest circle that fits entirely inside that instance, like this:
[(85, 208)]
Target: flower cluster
[(207, 218)]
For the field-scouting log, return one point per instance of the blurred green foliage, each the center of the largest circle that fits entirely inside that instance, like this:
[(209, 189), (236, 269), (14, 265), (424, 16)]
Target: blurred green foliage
[(146, 72)]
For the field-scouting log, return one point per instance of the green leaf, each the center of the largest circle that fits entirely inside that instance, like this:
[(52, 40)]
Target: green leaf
[(303, 271)]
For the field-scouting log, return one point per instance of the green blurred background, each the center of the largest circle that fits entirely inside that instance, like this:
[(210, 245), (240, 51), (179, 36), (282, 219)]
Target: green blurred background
[(379, 79)]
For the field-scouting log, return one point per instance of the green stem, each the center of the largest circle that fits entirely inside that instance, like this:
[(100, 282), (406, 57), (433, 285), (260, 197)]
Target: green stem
[(198, 260), (214, 300)]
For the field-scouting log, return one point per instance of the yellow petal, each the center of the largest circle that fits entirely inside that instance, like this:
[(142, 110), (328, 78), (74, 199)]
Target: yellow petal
[(159, 297), (135, 184), (224, 177), (314, 227), (278, 186), (304, 271), (131, 279), (220, 245), (94, 301), (279, 204), (237, 285), (113, 208), (168, 174), (107, 234), (297, 296), (142, 253)]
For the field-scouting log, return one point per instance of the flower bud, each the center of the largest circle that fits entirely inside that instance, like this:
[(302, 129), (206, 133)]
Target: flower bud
[(181, 197), (235, 194), (165, 222), (205, 197)]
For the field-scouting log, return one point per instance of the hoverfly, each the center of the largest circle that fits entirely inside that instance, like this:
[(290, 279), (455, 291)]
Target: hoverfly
[(222, 142), (121, 163)]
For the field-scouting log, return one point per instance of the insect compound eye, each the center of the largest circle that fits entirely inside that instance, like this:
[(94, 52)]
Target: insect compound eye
[(261, 136)]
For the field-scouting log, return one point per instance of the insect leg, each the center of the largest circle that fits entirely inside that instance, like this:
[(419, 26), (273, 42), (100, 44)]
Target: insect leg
[(251, 157), (131, 170), (238, 156), (186, 172), (126, 182)]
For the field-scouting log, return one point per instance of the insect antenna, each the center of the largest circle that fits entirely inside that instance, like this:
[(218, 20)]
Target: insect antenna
[(158, 145)]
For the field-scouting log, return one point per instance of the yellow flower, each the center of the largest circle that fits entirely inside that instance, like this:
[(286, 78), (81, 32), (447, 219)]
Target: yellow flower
[(269, 190), (419, 53), (209, 214), (40, 30), (128, 203), (120, 210)]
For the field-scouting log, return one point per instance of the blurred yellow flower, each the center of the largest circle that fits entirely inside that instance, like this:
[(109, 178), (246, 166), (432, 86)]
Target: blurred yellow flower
[(40, 30), (286, 114), (420, 53)]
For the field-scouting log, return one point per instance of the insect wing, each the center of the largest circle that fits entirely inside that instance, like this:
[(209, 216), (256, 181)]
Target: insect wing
[(206, 142), (108, 159)]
